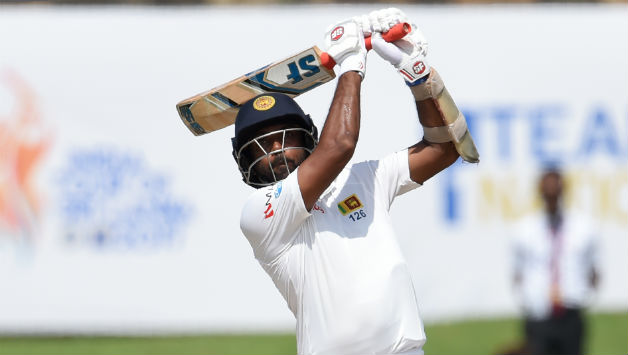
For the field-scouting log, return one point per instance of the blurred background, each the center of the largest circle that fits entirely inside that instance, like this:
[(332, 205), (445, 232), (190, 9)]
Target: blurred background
[(119, 230)]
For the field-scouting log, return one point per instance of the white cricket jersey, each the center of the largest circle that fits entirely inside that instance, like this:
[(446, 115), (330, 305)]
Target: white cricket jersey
[(339, 267), (534, 251)]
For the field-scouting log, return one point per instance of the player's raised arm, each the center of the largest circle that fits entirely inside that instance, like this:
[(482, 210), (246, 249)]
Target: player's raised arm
[(445, 129), (344, 42)]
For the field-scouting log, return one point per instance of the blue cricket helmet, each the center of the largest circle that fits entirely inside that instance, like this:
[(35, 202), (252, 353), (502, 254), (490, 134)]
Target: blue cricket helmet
[(260, 111)]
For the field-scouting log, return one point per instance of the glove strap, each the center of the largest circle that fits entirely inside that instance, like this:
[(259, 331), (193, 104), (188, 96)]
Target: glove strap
[(418, 82)]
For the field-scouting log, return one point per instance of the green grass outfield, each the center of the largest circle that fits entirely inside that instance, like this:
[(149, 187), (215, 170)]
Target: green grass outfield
[(608, 334)]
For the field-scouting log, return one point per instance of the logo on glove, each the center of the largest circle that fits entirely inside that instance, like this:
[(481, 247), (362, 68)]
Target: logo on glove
[(337, 33), (418, 67)]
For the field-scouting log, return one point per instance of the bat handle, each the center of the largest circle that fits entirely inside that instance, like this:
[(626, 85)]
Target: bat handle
[(397, 32)]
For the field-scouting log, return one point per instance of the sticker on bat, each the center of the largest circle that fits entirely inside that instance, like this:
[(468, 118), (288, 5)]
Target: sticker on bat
[(303, 64)]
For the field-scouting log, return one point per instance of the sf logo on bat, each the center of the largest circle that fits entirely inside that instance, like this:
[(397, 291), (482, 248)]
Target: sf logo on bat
[(307, 64)]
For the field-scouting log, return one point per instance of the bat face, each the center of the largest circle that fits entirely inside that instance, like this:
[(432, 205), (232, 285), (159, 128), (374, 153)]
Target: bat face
[(217, 108)]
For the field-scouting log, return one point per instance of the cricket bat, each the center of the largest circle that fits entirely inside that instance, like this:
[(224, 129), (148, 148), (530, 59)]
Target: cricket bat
[(217, 108)]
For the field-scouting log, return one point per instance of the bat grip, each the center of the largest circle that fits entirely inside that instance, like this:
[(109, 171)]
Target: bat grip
[(395, 33)]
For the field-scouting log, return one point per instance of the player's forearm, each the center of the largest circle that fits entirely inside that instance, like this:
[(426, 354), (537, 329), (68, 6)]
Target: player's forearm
[(430, 116), (441, 119), (342, 126), (436, 151)]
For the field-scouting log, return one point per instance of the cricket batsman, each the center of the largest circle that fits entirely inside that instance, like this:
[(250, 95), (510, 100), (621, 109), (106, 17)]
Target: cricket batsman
[(320, 228)]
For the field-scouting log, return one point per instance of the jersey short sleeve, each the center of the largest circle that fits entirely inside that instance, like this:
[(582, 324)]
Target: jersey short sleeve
[(272, 216), (393, 175)]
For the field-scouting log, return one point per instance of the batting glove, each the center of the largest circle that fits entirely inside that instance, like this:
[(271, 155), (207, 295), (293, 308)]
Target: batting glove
[(344, 42), (380, 20), (407, 55)]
